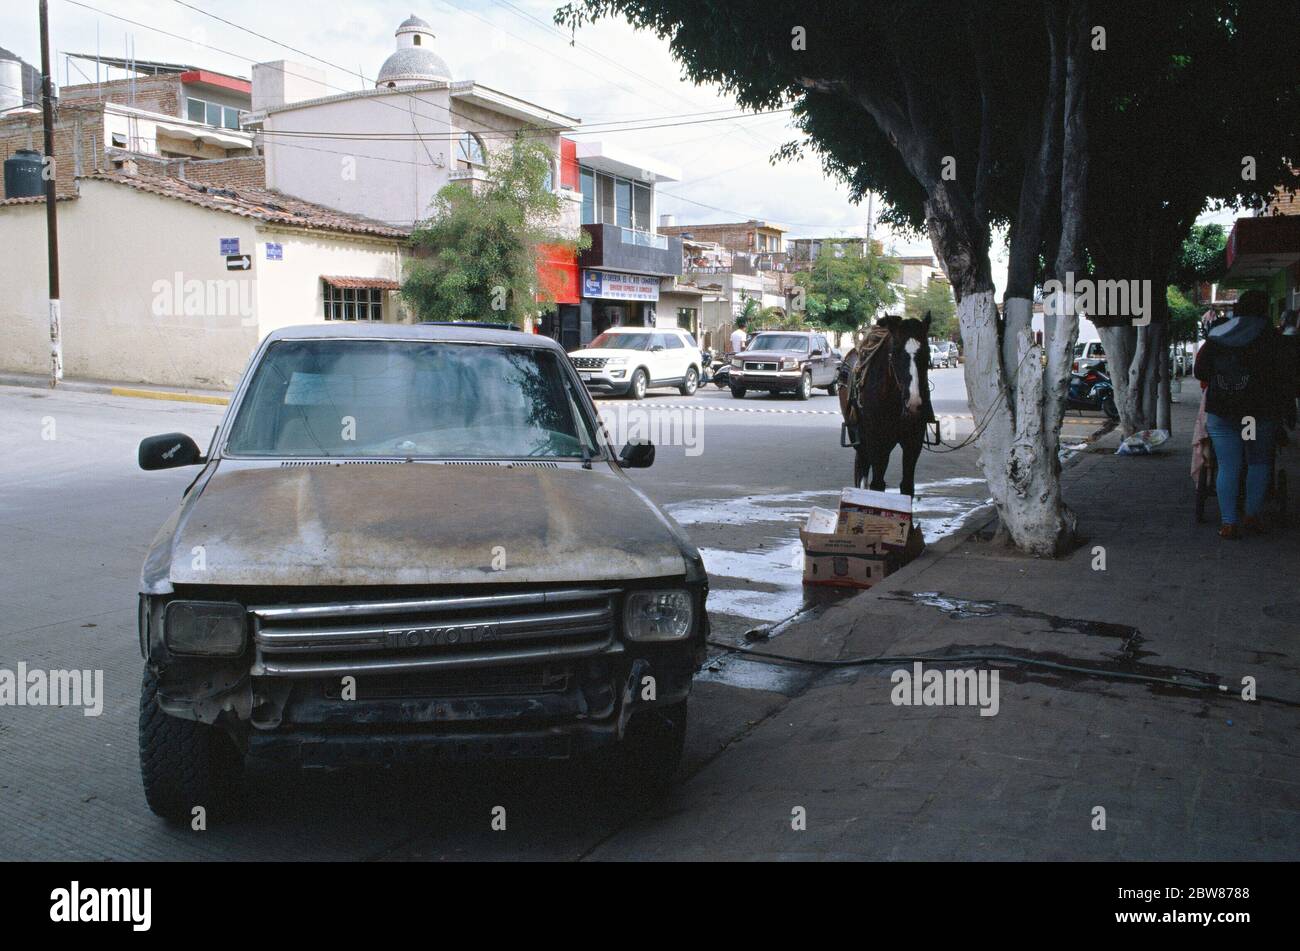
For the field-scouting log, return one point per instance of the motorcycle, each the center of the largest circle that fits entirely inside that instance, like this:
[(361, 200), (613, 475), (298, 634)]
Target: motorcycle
[(706, 368), (1092, 390), (721, 375)]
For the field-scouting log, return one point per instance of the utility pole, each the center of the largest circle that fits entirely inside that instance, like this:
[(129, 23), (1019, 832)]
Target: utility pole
[(48, 172)]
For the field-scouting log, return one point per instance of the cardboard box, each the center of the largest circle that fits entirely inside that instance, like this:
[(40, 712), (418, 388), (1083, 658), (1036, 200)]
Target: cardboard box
[(834, 557), (862, 543), (863, 511), (852, 571)]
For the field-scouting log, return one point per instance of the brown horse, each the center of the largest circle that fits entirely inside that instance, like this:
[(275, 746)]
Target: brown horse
[(885, 399)]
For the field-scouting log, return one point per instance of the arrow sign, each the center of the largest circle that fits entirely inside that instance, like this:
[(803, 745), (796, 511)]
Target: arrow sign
[(239, 262)]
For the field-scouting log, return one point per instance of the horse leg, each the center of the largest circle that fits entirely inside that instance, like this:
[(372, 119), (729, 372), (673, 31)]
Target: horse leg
[(911, 453), (880, 450)]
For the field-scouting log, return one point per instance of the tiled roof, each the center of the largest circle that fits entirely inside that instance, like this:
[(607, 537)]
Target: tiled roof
[(34, 200), (260, 203), (381, 283)]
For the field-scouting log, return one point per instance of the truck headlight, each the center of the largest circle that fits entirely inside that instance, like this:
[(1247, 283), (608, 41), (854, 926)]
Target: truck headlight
[(207, 628), (737, 363), (658, 615), (790, 363)]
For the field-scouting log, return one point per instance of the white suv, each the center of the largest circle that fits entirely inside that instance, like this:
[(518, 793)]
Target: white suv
[(632, 359)]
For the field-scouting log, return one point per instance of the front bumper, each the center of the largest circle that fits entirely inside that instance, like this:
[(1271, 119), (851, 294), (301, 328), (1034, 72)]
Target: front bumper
[(778, 381), (614, 380), (557, 699)]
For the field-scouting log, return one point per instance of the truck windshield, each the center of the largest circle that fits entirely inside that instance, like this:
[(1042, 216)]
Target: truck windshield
[(780, 342), (371, 398)]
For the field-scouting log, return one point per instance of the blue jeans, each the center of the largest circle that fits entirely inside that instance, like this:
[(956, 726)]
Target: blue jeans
[(1229, 451)]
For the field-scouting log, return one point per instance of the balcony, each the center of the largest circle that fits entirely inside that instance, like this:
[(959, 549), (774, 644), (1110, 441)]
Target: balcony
[(616, 248)]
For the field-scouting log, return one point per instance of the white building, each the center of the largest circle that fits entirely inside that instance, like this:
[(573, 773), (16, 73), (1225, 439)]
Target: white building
[(175, 283), (415, 132)]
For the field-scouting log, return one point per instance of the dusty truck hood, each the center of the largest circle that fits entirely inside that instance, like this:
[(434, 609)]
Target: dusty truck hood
[(415, 523)]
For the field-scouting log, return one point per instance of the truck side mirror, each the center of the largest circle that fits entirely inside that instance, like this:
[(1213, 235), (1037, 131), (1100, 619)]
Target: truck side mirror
[(169, 451), (637, 455)]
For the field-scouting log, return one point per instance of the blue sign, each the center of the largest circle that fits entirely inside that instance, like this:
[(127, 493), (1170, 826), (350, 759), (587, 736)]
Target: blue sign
[(229, 245), (591, 283), (274, 252)]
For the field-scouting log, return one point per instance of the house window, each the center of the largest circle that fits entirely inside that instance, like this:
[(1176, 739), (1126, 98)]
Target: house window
[(353, 303), (416, 39), (610, 200), (211, 113), (587, 182), (469, 149)]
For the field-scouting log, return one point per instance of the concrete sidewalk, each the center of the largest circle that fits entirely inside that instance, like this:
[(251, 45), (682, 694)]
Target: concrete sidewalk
[(1180, 773)]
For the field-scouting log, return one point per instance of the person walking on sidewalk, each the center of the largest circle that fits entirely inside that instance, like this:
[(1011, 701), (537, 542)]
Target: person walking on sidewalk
[(1245, 402)]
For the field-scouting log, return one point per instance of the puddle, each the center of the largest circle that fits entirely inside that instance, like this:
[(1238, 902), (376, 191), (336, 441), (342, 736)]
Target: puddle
[(781, 567), (736, 670), (787, 507), (961, 609)]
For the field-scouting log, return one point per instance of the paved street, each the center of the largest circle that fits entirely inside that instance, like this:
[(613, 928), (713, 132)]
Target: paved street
[(77, 515)]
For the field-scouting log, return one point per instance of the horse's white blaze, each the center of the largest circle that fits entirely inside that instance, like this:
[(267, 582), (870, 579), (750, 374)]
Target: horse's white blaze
[(913, 387)]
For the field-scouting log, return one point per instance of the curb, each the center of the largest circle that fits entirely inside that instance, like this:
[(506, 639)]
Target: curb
[(166, 395), (111, 389)]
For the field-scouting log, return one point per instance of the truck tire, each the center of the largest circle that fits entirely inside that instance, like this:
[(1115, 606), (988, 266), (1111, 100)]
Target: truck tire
[(738, 392), (805, 387), (645, 763), (184, 763)]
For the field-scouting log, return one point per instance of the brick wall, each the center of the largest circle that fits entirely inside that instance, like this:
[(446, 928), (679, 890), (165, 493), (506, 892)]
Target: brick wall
[(74, 122), (151, 93), (242, 172)]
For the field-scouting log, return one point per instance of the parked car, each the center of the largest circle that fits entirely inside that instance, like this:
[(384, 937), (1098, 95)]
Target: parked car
[(411, 543), (943, 354), (1087, 354), (785, 361), (631, 360)]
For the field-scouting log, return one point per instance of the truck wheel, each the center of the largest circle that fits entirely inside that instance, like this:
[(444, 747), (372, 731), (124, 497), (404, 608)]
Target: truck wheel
[(738, 392), (638, 387), (833, 388), (184, 763), (690, 382), (645, 763), (805, 387)]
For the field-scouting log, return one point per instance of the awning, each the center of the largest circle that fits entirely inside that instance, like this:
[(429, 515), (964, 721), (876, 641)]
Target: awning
[(1260, 247), (226, 138), (356, 283), (557, 274)]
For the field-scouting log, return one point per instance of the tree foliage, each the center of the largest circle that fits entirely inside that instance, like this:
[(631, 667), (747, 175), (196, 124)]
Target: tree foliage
[(1201, 256), (476, 256), (846, 293), (936, 298)]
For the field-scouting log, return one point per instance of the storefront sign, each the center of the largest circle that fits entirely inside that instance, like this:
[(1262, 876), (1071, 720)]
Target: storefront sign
[(612, 286)]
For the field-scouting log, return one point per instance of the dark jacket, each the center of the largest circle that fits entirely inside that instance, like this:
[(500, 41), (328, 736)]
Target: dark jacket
[(1241, 365)]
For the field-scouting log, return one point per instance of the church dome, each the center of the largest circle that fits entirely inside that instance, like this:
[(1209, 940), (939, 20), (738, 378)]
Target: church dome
[(414, 61)]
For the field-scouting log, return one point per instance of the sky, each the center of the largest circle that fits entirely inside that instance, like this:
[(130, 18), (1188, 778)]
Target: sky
[(612, 73)]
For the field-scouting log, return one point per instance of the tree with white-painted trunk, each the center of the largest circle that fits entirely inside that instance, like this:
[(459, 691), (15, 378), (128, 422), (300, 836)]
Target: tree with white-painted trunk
[(959, 138)]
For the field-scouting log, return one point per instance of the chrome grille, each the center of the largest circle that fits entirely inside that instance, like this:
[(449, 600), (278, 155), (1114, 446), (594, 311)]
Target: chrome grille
[(759, 366), (590, 363), (309, 640)]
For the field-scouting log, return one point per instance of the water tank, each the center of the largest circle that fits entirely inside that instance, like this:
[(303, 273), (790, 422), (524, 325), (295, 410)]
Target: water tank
[(23, 175), (11, 84)]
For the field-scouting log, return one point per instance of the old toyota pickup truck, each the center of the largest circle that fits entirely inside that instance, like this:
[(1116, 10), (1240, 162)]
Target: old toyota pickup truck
[(411, 542)]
